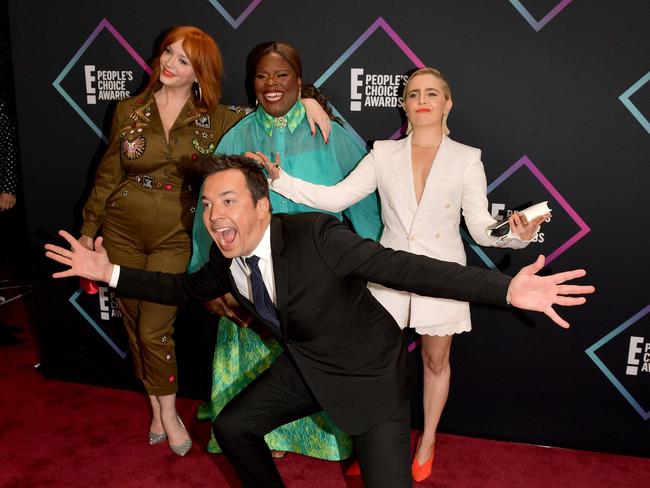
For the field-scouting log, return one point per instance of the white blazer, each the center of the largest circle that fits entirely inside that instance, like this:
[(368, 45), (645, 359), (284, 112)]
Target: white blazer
[(456, 183)]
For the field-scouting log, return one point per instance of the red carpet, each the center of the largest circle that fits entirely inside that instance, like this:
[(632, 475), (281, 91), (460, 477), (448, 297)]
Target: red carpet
[(58, 434)]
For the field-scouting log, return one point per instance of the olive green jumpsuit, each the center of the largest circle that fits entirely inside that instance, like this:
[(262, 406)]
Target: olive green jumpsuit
[(143, 206)]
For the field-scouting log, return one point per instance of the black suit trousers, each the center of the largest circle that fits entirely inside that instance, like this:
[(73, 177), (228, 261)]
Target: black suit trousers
[(280, 395)]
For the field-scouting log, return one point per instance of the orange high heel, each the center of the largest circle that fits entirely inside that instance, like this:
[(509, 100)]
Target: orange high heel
[(419, 471)]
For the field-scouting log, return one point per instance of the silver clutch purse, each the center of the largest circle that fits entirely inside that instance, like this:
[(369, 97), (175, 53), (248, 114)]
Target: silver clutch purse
[(501, 228)]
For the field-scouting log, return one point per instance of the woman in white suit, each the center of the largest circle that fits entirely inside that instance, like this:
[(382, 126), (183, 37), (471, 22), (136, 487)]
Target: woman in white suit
[(425, 181)]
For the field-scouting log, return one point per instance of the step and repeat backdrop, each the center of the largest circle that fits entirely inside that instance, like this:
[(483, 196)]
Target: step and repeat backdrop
[(555, 93)]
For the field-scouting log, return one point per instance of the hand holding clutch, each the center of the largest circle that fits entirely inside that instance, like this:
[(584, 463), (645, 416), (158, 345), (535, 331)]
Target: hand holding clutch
[(531, 214)]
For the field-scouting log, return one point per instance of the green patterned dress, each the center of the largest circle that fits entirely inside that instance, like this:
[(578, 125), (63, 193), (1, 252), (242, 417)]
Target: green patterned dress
[(240, 354)]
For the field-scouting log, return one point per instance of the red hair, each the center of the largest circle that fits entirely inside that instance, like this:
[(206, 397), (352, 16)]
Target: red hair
[(206, 61)]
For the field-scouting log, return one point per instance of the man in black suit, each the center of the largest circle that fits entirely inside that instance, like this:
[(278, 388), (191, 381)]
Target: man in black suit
[(304, 278)]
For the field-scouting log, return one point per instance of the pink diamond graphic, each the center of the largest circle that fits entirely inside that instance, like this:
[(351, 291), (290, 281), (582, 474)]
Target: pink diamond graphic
[(104, 24), (525, 162), (380, 23), (538, 24), (242, 17)]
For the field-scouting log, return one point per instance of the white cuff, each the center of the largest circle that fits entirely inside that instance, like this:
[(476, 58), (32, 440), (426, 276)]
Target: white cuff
[(276, 183), (513, 236), (115, 276), (516, 237)]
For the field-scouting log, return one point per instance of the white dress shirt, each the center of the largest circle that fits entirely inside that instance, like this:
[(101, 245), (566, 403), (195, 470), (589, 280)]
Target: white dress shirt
[(241, 272)]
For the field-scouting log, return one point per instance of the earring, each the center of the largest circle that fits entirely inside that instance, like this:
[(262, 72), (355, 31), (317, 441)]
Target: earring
[(198, 93), (445, 129)]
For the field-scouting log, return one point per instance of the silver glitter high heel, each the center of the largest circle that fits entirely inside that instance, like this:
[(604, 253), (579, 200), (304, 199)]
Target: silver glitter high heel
[(156, 438), (185, 447)]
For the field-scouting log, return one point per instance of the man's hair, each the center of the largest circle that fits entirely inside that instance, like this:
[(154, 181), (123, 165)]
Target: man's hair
[(255, 177)]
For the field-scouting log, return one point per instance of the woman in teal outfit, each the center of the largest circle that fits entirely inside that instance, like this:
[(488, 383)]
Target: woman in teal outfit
[(279, 127)]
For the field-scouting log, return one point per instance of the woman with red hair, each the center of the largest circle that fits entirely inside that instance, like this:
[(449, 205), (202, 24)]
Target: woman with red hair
[(144, 205)]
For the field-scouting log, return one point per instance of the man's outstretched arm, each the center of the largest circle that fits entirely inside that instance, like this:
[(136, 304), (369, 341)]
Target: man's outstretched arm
[(348, 254), (172, 289)]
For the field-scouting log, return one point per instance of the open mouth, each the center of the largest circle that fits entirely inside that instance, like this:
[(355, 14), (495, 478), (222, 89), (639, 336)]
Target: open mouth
[(225, 236), (273, 96)]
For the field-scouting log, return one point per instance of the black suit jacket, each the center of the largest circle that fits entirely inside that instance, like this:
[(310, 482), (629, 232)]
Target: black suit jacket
[(347, 347)]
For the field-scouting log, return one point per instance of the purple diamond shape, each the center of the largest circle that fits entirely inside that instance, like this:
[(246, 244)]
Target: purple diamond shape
[(104, 24), (582, 226), (535, 24), (379, 23), (591, 352), (231, 20)]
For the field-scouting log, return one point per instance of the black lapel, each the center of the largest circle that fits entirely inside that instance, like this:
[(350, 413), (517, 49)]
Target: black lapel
[(245, 302), (280, 272)]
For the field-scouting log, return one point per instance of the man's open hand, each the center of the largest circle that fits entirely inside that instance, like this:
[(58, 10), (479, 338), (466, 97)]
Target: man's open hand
[(82, 262), (539, 293)]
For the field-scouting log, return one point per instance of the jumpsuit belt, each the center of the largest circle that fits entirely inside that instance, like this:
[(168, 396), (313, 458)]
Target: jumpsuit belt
[(151, 183)]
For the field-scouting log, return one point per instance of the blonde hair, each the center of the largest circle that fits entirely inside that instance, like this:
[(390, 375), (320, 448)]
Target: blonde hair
[(445, 90)]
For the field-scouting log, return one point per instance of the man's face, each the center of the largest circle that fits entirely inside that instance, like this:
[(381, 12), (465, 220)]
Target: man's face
[(233, 221)]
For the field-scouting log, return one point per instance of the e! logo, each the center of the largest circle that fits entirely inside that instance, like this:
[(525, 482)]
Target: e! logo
[(634, 356), (356, 82)]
